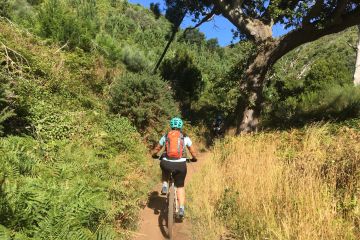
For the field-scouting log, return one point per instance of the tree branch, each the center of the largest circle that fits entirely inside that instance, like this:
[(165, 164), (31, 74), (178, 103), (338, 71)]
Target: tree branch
[(253, 28), (339, 10), (205, 19), (311, 33), (313, 12)]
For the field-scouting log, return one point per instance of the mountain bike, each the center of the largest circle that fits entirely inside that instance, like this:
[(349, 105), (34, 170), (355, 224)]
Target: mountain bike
[(172, 203)]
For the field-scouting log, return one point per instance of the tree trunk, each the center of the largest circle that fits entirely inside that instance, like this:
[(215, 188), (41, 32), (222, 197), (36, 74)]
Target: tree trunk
[(357, 64), (255, 78), (175, 29), (172, 37)]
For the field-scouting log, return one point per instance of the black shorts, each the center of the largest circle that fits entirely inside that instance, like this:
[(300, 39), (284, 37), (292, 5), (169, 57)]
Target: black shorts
[(177, 168)]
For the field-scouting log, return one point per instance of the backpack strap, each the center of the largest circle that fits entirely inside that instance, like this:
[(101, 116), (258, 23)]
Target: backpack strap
[(182, 141), (166, 140)]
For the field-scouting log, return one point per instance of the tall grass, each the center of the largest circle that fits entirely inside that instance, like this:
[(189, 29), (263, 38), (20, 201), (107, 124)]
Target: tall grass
[(281, 185)]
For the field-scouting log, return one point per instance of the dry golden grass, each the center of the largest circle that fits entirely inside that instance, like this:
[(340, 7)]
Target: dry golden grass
[(282, 185)]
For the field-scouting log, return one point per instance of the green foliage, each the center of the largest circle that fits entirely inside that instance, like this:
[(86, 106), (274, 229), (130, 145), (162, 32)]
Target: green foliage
[(194, 37), (69, 22), (184, 76), (67, 190), (13, 108), (134, 59), (74, 171), (145, 99), (5, 112), (322, 74), (314, 82), (109, 46), (335, 103), (222, 92), (155, 8), (237, 219), (5, 8)]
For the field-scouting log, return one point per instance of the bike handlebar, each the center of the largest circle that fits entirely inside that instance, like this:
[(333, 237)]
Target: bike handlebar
[(188, 160)]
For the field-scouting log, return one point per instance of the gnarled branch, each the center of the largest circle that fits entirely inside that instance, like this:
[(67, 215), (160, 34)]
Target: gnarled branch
[(207, 18)]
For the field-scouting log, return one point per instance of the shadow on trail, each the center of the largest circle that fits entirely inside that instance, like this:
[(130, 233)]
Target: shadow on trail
[(158, 204)]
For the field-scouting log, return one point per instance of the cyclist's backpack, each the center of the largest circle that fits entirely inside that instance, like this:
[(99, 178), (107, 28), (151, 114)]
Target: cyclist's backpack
[(174, 144)]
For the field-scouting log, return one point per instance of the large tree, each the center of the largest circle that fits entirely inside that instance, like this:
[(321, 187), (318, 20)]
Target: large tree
[(308, 20)]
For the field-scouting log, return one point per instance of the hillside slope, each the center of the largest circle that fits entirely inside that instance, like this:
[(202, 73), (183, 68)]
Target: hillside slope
[(69, 169)]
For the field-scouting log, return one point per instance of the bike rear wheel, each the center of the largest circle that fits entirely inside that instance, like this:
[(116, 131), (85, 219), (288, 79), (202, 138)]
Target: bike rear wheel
[(171, 210)]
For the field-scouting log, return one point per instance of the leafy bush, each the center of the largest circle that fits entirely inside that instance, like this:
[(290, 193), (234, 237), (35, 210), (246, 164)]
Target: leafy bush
[(327, 72), (321, 90), (74, 22), (185, 78), (336, 103), (194, 37), (134, 59), (5, 8), (155, 8), (145, 99), (109, 46)]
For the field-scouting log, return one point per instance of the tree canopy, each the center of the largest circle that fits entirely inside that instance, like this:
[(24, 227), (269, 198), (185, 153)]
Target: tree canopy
[(308, 20), (255, 18)]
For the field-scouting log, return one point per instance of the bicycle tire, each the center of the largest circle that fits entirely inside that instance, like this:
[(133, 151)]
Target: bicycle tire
[(171, 209)]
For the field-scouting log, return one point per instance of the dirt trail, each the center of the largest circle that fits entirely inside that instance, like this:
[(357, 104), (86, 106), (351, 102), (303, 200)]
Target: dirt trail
[(153, 217)]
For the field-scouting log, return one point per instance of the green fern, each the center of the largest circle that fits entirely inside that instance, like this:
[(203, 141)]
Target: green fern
[(105, 233)]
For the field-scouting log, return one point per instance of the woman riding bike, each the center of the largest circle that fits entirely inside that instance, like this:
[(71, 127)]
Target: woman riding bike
[(174, 159)]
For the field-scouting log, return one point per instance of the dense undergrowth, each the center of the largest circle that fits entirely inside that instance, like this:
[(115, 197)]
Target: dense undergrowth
[(69, 169), (296, 184)]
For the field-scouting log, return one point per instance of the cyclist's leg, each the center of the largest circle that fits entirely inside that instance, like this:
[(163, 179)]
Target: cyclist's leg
[(180, 191), (165, 175), (179, 178)]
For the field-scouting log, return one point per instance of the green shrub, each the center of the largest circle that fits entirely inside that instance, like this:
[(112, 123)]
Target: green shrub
[(5, 8), (185, 78), (327, 72), (134, 59), (314, 82), (69, 22), (155, 8), (109, 46), (145, 99), (335, 103)]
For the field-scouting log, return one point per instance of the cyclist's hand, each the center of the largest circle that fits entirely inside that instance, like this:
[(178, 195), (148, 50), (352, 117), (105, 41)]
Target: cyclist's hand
[(194, 159), (155, 156)]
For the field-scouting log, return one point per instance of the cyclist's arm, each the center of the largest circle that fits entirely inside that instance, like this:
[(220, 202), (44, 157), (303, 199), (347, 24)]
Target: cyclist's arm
[(157, 149), (192, 151), (159, 146)]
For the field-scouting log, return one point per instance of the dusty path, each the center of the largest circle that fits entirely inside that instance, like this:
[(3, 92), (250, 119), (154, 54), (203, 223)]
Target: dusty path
[(153, 218)]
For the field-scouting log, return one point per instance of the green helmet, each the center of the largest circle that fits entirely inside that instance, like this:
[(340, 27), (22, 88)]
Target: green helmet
[(176, 123)]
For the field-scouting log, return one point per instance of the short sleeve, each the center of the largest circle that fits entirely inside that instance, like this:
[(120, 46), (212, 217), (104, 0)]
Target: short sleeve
[(162, 141), (187, 141)]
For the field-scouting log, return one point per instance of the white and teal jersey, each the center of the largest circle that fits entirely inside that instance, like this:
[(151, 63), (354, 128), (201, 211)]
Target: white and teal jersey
[(187, 143)]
